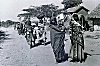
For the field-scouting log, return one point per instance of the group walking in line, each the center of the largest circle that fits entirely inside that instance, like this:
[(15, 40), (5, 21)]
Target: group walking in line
[(59, 24), (34, 34), (57, 37)]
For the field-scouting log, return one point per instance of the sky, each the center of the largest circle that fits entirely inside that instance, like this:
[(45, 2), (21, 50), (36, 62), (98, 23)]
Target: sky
[(9, 9)]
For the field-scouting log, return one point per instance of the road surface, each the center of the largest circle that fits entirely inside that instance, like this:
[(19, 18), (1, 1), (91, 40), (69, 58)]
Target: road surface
[(14, 51)]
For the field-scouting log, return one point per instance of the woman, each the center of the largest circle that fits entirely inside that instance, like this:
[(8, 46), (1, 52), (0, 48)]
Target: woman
[(77, 41), (57, 36)]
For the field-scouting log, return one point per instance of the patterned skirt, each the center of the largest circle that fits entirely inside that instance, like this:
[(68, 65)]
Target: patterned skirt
[(77, 47)]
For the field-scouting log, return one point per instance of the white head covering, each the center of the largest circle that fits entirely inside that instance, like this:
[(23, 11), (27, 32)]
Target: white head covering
[(60, 16), (33, 24)]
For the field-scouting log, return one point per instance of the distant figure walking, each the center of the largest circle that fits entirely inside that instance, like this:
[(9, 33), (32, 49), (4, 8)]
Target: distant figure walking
[(15, 26), (18, 28)]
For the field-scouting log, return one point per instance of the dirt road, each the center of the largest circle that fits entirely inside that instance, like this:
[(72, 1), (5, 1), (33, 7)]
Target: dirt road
[(16, 52)]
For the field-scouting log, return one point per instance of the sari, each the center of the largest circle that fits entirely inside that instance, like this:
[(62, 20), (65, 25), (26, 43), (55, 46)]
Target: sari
[(77, 42), (57, 43)]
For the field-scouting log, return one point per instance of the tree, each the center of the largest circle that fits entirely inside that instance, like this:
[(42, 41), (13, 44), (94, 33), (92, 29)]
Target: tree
[(71, 3), (9, 22), (39, 11), (42, 11), (49, 9)]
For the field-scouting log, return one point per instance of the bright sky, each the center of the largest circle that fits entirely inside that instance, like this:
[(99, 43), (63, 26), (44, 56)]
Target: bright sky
[(9, 9)]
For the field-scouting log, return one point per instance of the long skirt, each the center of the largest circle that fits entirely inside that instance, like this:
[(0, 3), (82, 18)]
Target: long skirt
[(77, 47), (57, 43)]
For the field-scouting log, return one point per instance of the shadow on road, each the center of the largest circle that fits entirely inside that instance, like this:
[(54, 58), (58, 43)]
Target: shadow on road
[(86, 55), (94, 54), (93, 37), (83, 60), (39, 44)]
